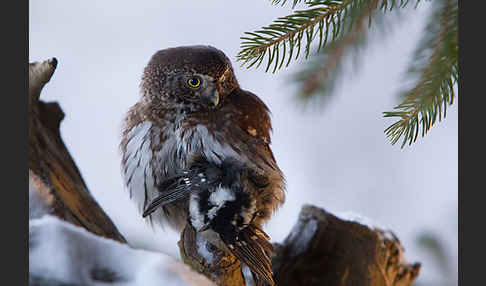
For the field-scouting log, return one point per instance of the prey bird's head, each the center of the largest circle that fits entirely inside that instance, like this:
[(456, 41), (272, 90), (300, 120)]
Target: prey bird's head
[(194, 78)]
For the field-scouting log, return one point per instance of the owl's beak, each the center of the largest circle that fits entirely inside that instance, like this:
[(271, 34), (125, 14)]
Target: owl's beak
[(212, 98)]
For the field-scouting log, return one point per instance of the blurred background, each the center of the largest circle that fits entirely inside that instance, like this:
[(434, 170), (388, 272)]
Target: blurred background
[(335, 156)]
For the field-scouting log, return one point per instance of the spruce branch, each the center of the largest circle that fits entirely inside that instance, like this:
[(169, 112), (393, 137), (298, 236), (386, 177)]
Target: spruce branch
[(339, 27), (324, 22), (289, 32), (435, 62)]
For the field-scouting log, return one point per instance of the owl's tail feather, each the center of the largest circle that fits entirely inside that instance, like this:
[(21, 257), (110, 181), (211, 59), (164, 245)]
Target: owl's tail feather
[(258, 281), (253, 249), (261, 238)]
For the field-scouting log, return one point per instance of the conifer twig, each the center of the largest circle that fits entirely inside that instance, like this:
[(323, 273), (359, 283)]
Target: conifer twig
[(435, 62)]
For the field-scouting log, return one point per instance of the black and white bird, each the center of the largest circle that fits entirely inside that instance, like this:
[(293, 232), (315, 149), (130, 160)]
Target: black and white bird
[(222, 210), (196, 148)]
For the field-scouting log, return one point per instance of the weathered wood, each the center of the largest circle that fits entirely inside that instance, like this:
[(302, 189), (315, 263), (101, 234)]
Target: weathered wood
[(52, 171), (323, 249)]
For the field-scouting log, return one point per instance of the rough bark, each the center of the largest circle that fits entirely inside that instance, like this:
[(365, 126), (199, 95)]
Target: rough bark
[(52, 170), (321, 249)]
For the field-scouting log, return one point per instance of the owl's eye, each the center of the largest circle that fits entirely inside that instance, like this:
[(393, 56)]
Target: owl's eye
[(194, 82)]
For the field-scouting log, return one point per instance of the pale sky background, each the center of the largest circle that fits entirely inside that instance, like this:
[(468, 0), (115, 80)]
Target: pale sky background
[(335, 157)]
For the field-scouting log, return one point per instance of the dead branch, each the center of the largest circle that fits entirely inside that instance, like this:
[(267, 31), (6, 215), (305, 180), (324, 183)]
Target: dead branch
[(52, 170)]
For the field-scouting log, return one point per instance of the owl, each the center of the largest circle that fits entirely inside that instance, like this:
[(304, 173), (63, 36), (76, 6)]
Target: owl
[(196, 149)]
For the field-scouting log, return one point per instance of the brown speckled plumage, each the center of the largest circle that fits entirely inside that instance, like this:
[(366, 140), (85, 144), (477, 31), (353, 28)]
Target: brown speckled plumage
[(171, 125)]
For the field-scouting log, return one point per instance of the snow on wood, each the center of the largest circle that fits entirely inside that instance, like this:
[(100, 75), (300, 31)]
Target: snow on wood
[(323, 249), (61, 253)]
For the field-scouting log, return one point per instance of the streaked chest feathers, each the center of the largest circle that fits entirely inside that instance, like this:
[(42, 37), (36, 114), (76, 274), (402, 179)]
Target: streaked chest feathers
[(153, 154)]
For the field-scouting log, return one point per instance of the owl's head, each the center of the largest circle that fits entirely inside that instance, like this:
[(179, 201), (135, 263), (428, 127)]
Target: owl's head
[(188, 77)]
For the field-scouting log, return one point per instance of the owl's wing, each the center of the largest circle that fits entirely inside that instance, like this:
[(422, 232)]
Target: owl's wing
[(250, 133), (253, 115)]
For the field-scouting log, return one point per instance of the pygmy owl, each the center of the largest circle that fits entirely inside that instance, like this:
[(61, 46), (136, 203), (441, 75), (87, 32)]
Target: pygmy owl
[(195, 149)]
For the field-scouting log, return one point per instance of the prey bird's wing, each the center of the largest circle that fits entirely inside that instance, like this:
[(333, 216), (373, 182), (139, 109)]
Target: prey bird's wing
[(181, 185), (167, 197)]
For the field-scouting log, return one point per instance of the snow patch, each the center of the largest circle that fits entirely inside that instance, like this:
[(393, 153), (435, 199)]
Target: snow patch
[(301, 235), (384, 233), (355, 217), (67, 254)]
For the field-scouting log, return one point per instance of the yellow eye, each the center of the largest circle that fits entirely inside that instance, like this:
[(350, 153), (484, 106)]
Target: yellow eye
[(194, 82)]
